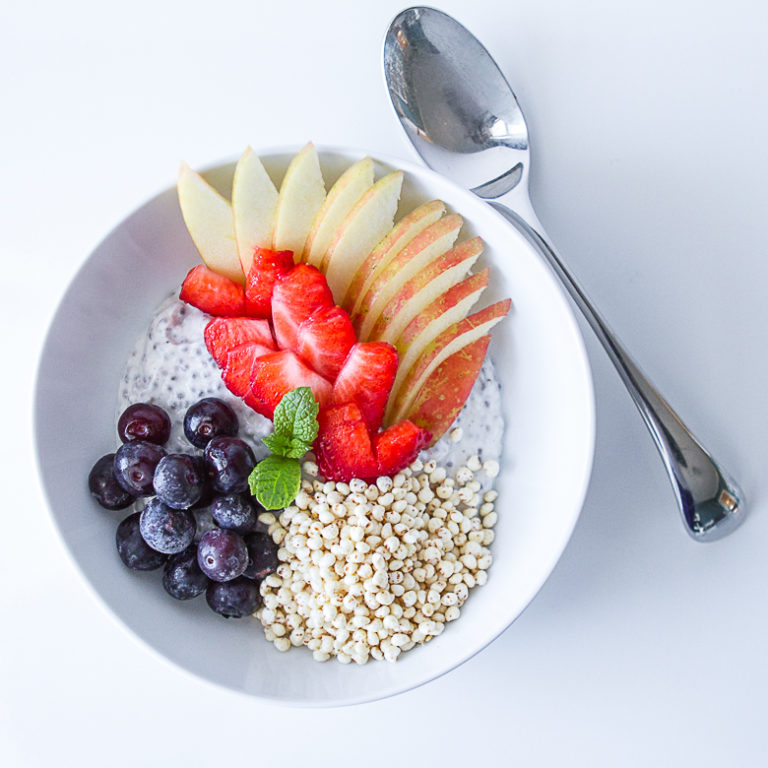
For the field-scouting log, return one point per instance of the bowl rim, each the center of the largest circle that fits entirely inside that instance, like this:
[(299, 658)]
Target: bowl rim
[(566, 530)]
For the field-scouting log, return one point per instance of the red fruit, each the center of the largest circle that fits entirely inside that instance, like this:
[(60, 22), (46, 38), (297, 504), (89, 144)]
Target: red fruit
[(343, 447), (324, 340), (267, 268), (212, 293), (225, 333), (238, 364), (366, 379), (275, 374), (397, 446), (294, 299)]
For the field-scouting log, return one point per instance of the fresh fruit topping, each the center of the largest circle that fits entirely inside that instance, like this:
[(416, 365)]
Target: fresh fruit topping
[(104, 487), (222, 555), (294, 299), (324, 340), (237, 368), (343, 446), (235, 512), (276, 374), (135, 553), (182, 577), (366, 379), (134, 466), (234, 599), (262, 555), (225, 333), (267, 268), (209, 418), (165, 529), (213, 293), (144, 421), (229, 461), (178, 481), (397, 446)]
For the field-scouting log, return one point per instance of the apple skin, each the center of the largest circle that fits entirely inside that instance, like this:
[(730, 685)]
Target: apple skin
[(399, 236), (443, 394), (344, 195), (210, 223)]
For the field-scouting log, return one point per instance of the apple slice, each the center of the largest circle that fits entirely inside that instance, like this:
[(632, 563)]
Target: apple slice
[(386, 250), (208, 217), (421, 251), (446, 389), (449, 308), (364, 226), (347, 190), (254, 200), (424, 287), (301, 195), (450, 341)]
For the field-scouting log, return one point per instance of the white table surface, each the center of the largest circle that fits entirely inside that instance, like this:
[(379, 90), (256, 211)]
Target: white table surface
[(649, 122)]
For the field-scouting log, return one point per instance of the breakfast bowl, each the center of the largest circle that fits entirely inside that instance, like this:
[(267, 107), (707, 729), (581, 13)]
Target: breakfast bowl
[(548, 440)]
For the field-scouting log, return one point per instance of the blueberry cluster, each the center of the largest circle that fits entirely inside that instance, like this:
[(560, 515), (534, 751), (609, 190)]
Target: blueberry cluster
[(200, 522)]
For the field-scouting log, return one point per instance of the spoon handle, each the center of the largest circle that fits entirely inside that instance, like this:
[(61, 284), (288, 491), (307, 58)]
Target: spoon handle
[(710, 502)]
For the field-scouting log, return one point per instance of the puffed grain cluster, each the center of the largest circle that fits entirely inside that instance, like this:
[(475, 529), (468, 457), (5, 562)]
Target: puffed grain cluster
[(371, 570)]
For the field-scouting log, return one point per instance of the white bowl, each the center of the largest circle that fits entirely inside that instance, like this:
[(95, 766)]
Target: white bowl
[(547, 455)]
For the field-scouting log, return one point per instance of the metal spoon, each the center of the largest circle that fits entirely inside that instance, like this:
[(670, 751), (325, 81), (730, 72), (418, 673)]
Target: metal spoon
[(464, 120)]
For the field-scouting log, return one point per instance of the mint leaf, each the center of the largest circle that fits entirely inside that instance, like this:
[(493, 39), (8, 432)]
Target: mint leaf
[(275, 481), (296, 416), (279, 444)]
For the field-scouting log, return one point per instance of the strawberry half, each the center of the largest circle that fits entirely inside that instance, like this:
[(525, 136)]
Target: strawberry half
[(212, 293), (294, 298), (267, 268), (237, 367), (275, 374), (226, 333), (397, 446), (324, 340), (343, 447), (366, 379)]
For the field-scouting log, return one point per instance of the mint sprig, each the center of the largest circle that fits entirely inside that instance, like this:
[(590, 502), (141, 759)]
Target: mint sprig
[(276, 480)]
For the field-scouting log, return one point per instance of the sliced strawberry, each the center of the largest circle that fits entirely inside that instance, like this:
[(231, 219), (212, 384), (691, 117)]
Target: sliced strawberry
[(267, 268), (397, 446), (212, 293), (294, 299), (275, 374), (343, 447), (324, 340), (238, 363), (366, 379), (226, 333)]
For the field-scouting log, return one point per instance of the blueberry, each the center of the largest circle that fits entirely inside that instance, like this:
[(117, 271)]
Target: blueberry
[(135, 464), (104, 487), (234, 599), (222, 555), (230, 461), (132, 548), (178, 481), (182, 577), (209, 418), (144, 421), (207, 495), (262, 556), (234, 512), (166, 530)]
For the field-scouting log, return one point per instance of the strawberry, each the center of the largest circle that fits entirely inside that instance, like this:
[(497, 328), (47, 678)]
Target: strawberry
[(343, 447), (267, 268), (226, 333), (275, 374), (397, 446), (366, 379), (238, 364), (324, 339), (212, 293), (294, 299)]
